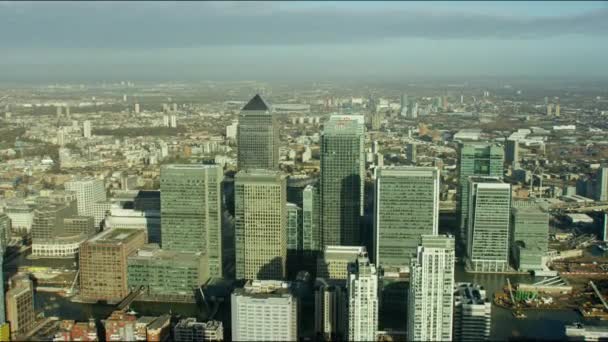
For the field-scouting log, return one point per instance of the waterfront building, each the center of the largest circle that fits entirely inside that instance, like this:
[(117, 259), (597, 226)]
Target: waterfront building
[(260, 224), (88, 192), (166, 273), (430, 299), (363, 291), (191, 211), (103, 263), (21, 216), (331, 309), (189, 330), (257, 136), (264, 310), (529, 236), (20, 305), (406, 206), (488, 226), (472, 313), (333, 262), (475, 159), (342, 180), (147, 220)]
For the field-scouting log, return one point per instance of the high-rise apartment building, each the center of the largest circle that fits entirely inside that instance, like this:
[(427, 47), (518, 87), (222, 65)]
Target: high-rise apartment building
[(311, 220), (342, 180), (405, 105), (488, 225), (191, 211), (472, 313), (86, 129), (363, 292), (257, 136), (331, 310), (430, 300), (476, 159), (529, 236), (20, 305), (260, 224), (406, 206), (89, 191), (333, 262), (264, 311), (103, 263)]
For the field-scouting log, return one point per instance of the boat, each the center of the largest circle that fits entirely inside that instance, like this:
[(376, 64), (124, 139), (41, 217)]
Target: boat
[(519, 314)]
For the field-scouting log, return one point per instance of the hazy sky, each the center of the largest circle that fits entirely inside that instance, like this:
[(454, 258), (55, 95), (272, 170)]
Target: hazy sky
[(266, 40)]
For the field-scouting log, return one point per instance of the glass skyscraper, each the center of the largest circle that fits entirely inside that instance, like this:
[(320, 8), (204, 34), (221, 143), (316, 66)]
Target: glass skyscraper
[(406, 206), (257, 136), (342, 179), (191, 211), (529, 235)]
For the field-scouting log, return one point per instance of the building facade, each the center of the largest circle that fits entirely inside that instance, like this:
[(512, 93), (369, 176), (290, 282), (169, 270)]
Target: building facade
[(331, 310), (20, 305), (342, 180), (406, 206), (257, 136), (472, 313), (88, 192), (430, 300), (529, 236), (333, 262), (260, 224), (191, 211), (363, 292)]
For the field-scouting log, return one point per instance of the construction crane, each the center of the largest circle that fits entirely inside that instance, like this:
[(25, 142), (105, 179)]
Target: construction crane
[(599, 295), (511, 292)]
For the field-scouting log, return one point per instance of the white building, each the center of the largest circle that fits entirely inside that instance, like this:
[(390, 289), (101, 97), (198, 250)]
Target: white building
[(363, 294), (89, 191), (472, 313), (430, 301), (86, 129), (137, 108), (264, 310), (165, 120), (173, 121), (231, 130)]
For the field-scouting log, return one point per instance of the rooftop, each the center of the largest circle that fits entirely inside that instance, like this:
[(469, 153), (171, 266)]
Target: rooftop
[(115, 235), (257, 104)]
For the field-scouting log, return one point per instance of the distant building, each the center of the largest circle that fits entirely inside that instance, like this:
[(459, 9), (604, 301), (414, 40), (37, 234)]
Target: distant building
[(103, 263), (406, 206), (260, 224), (5, 225), (410, 153), (363, 292), (189, 330), (257, 136), (601, 185), (86, 129), (529, 236), (70, 330), (404, 105), (511, 152), (476, 159), (231, 130), (264, 311), (173, 121), (294, 236), (430, 300), (191, 211), (20, 305), (488, 226), (333, 262), (89, 191), (472, 313), (136, 108), (331, 310), (21, 216), (166, 273), (311, 219), (342, 180), (120, 326)]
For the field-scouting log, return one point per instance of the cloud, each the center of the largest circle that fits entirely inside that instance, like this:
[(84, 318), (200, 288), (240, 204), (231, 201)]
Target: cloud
[(199, 24)]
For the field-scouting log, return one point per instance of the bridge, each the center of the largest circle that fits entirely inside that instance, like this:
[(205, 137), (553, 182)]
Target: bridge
[(130, 298)]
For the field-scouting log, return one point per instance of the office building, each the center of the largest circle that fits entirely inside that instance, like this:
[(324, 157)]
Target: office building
[(103, 264), (5, 226), (529, 236), (488, 226), (476, 159), (191, 211), (137, 109), (430, 300), (264, 311), (404, 105), (86, 129), (363, 291), (173, 121), (148, 220), (472, 313), (558, 110), (260, 224), (166, 273), (406, 206), (294, 237), (331, 310), (549, 109), (189, 330), (257, 136), (20, 305), (512, 152), (342, 180), (311, 230), (333, 262), (89, 191), (601, 184), (410, 153), (21, 216)]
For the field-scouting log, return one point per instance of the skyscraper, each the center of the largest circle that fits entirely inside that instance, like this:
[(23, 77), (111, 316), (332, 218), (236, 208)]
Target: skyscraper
[(86, 129), (488, 229), (363, 291), (257, 136), (511, 152), (476, 159), (529, 236), (601, 184), (404, 105), (472, 313), (333, 262), (20, 305), (89, 191), (430, 300), (191, 211), (406, 206), (311, 230), (342, 179), (264, 311), (294, 237), (5, 225), (261, 227), (331, 309)]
